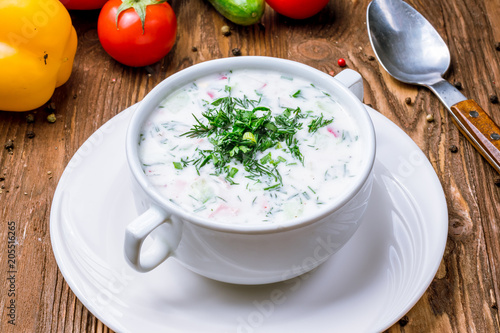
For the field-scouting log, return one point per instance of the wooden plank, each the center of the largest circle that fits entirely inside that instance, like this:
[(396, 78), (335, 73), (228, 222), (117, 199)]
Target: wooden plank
[(465, 293)]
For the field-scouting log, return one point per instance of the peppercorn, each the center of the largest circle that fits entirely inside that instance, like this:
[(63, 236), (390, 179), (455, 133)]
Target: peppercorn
[(51, 118), (497, 46), (30, 134), (30, 118), (226, 30), (403, 321), (408, 100), (458, 85), (497, 182), (494, 99), (51, 107), (194, 49), (236, 51), (453, 148), (371, 58), (9, 145)]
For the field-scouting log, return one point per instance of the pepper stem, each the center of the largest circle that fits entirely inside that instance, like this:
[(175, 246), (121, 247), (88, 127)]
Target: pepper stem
[(139, 7)]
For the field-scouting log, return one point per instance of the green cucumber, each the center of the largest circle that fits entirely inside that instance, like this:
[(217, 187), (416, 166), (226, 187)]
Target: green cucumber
[(242, 12)]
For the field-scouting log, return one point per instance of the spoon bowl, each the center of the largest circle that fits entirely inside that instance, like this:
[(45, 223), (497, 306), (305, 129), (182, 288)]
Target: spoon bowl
[(411, 50), (399, 41)]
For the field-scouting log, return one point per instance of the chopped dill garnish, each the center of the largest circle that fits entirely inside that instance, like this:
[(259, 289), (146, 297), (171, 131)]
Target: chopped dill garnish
[(238, 129), (221, 198), (317, 123), (192, 197), (271, 187), (199, 209)]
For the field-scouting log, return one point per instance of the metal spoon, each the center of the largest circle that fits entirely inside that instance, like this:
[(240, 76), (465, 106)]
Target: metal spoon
[(411, 50)]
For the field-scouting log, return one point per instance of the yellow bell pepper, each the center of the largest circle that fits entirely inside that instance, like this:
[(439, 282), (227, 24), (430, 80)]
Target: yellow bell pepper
[(37, 48)]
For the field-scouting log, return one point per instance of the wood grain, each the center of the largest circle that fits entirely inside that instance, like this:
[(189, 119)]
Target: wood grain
[(464, 295)]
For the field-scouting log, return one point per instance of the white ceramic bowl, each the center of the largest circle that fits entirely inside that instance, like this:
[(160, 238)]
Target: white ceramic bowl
[(246, 254)]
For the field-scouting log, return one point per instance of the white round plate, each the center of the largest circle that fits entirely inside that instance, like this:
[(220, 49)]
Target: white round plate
[(366, 287)]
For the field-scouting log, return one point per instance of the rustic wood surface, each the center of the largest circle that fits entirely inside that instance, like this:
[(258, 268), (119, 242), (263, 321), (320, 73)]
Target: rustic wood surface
[(464, 295)]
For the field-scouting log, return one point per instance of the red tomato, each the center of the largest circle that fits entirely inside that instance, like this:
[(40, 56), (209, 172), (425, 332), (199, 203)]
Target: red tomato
[(128, 43), (297, 9), (83, 4)]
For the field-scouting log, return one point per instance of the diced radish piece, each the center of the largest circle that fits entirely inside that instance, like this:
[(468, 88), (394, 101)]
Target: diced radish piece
[(223, 208), (331, 130)]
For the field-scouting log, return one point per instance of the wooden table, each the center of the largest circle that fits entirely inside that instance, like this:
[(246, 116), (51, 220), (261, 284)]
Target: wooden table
[(465, 293)]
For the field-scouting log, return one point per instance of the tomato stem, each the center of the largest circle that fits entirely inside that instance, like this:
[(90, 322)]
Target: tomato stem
[(140, 8)]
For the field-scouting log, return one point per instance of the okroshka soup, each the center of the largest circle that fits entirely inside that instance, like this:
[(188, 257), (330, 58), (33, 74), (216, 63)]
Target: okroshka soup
[(252, 146), (248, 170)]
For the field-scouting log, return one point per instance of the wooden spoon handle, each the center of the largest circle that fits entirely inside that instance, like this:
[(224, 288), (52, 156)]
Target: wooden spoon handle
[(479, 129)]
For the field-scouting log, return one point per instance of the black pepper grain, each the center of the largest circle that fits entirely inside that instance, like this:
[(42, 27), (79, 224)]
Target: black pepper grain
[(371, 58), (9, 145), (403, 321), (497, 182), (194, 49), (497, 46), (30, 118), (236, 51), (408, 100), (494, 99), (51, 107), (458, 85), (453, 148), (30, 134)]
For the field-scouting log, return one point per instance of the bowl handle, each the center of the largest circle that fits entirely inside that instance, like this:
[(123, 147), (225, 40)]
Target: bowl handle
[(352, 80), (162, 246)]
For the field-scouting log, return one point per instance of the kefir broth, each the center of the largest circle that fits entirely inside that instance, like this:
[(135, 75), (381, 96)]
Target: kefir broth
[(330, 157)]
